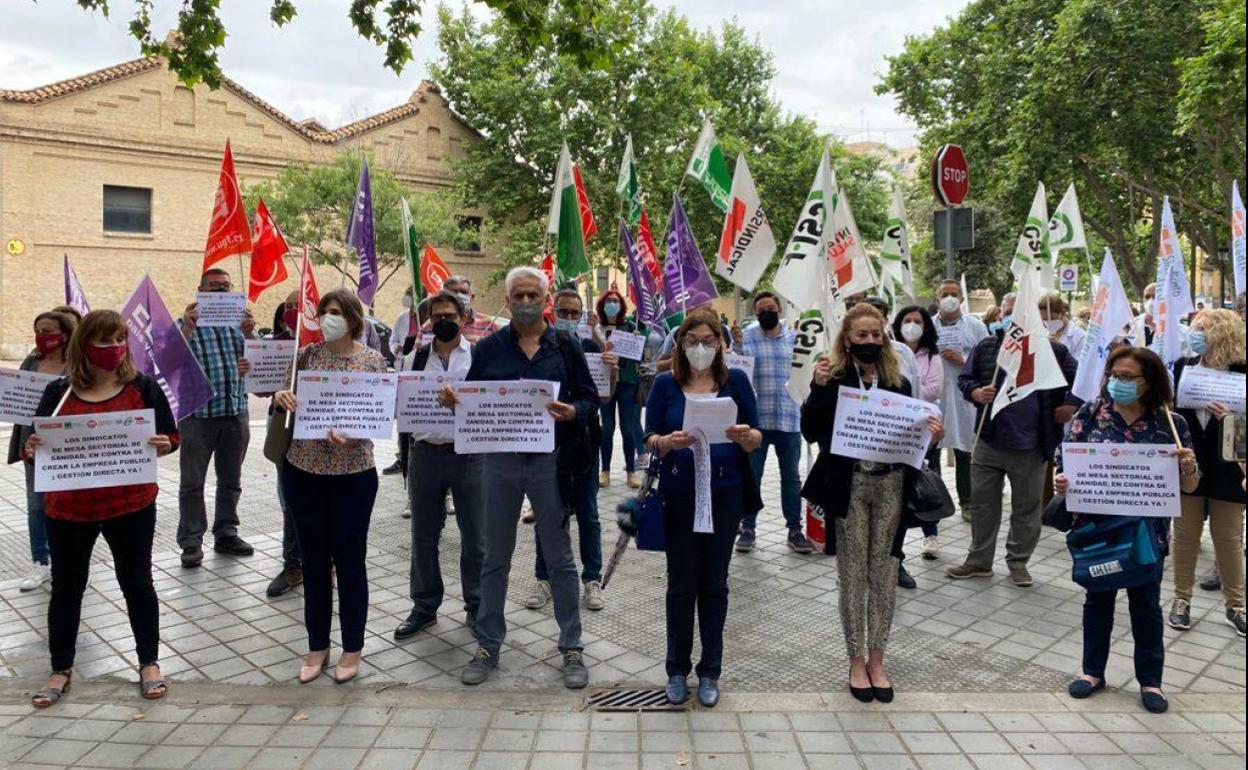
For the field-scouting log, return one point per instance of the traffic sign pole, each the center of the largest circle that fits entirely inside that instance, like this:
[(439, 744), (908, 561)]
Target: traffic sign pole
[(949, 243)]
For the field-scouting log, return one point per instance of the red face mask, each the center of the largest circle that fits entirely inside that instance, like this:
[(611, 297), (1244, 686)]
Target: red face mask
[(290, 319), (48, 342), (107, 358)]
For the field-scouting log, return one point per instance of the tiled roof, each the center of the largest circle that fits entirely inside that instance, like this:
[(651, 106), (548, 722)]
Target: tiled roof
[(82, 82)]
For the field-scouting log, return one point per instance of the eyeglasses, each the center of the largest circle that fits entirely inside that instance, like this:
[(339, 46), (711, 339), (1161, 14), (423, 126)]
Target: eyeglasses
[(568, 315), (690, 342), (1127, 377)]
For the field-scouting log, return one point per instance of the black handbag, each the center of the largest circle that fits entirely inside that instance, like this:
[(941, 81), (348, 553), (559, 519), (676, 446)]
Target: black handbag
[(1056, 516), (926, 497)]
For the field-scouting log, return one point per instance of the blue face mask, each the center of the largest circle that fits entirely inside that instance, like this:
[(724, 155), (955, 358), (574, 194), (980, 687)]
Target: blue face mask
[(1198, 342), (1122, 391), (994, 327), (565, 325), (1005, 321), (611, 309)]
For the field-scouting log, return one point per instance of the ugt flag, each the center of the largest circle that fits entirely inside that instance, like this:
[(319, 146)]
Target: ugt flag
[(1110, 313), (1237, 239), (309, 330), (228, 233), (686, 283), (360, 236), (645, 290), (75, 297), (746, 244), (1026, 355), (1032, 252), (1174, 297), (162, 353), (268, 263)]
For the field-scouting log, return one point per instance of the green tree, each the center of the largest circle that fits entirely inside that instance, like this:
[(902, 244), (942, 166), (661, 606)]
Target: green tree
[(393, 24), (312, 205)]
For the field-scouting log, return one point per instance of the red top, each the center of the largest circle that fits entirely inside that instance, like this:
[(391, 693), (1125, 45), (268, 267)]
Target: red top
[(102, 503)]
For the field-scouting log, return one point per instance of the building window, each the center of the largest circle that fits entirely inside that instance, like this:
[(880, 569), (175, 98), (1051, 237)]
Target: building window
[(604, 279), (127, 209), (470, 226), (433, 143)]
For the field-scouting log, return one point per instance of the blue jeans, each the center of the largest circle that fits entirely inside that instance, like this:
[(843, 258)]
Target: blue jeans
[(588, 528), (630, 425), (788, 448), (36, 517)]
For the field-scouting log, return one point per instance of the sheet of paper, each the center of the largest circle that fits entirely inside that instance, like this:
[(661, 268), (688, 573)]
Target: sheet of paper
[(744, 363), (627, 345), (600, 372), (1201, 386), (270, 360), (948, 337), (87, 451), (220, 308), (703, 516), (20, 394), (880, 426), (359, 405), (710, 417), (417, 404), (1122, 479), (584, 331), (504, 416)]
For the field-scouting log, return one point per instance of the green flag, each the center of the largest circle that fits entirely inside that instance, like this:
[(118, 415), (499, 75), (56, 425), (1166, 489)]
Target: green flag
[(707, 165), (565, 222), (410, 249), (627, 186)]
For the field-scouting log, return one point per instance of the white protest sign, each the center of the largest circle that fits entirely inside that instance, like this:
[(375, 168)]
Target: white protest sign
[(628, 345), (948, 337), (584, 331), (220, 308), (20, 394), (86, 451), (881, 426), (1122, 479), (358, 405), (601, 374), (417, 404), (1200, 386), (505, 416), (711, 417), (744, 363), (269, 359)]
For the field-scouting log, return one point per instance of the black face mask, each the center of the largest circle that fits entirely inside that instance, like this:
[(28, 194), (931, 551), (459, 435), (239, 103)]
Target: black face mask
[(866, 352), (768, 319), (445, 329)]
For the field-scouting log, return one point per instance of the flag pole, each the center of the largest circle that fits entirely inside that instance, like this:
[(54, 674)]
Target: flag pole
[(294, 367), (983, 416), (1173, 430)]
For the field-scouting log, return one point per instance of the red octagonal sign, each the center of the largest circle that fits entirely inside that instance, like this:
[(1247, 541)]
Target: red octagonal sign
[(951, 177)]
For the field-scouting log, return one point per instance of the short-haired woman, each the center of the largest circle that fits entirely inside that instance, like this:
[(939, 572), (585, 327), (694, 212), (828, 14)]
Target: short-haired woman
[(1130, 409), (102, 378), (862, 500), (331, 485), (697, 562), (1217, 339), (52, 334)]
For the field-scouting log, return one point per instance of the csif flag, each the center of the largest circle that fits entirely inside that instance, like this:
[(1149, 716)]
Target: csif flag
[(627, 186), (309, 329), (895, 249), (1066, 226), (1026, 355), (565, 222), (161, 352), (228, 233), (1237, 239), (1174, 297), (799, 279), (647, 297), (268, 252), (1111, 312), (360, 236), (707, 165), (75, 297), (686, 283), (746, 244), (1032, 251), (847, 259)]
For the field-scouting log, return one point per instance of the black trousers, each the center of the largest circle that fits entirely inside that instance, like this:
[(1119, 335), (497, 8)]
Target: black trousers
[(962, 477), (1146, 629), (697, 579), (331, 515), (129, 537)]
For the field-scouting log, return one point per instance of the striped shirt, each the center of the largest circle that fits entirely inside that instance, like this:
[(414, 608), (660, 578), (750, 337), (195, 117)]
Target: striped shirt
[(218, 349), (773, 360)]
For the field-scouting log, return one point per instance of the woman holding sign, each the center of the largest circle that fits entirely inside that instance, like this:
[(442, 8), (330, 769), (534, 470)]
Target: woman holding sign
[(1217, 339), (331, 485), (913, 325), (1132, 409), (697, 562), (861, 499), (102, 379), (612, 310)]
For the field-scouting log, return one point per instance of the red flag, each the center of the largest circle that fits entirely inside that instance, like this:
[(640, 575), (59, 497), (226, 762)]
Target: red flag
[(548, 267), (268, 247), (647, 252), (589, 228), (309, 328), (228, 233), (433, 271)]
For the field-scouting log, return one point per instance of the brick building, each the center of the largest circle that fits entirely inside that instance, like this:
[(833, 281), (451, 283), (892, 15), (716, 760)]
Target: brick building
[(118, 167)]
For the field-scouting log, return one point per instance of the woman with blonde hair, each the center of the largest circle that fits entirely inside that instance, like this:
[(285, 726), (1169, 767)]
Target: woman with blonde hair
[(1217, 340), (861, 500)]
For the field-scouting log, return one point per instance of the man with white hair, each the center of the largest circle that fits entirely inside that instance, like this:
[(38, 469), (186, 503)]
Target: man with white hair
[(530, 349)]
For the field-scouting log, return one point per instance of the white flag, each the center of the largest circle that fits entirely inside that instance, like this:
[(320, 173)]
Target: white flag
[(851, 267), (1111, 312), (1066, 226), (1237, 238), (895, 249), (746, 244), (965, 307), (1032, 252), (1174, 297), (799, 279), (1026, 356)]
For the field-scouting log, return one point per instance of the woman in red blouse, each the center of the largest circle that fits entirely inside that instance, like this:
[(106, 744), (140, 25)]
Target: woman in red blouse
[(102, 378)]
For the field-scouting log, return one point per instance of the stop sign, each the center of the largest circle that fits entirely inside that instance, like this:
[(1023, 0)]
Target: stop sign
[(950, 175)]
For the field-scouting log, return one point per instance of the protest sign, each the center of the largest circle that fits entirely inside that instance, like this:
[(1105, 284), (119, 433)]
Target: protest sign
[(270, 360), (710, 417), (881, 426), (584, 331), (220, 308), (1200, 386), (20, 394), (86, 451), (627, 345), (948, 337), (417, 404), (358, 405), (601, 374), (744, 363), (1122, 479), (504, 416)]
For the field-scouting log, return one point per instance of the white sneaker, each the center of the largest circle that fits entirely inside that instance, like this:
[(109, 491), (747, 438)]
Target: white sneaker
[(38, 575), (931, 547), (407, 510), (540, 595), (592, 598)]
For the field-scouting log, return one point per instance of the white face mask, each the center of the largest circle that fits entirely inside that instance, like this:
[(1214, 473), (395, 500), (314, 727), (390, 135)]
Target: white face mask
[(1054, 327), (333, 327), (700, 357), (911, 331), (407, 302), (1150, 307), (949, 303)]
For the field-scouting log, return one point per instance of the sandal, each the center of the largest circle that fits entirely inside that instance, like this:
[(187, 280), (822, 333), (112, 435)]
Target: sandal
[(152, 689), (50, 695)]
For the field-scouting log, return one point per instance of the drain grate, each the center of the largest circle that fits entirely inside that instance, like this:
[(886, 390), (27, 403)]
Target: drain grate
[(631, 700)]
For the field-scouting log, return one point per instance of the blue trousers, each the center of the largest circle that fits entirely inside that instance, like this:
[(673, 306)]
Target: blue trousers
[(588, 528), (788, 448), (36, 518), (625, 400)]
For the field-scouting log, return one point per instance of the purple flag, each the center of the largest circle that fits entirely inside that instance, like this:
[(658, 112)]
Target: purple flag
[(74, 295), (686, 282), (649, 299), (161, 352), (360, 236)]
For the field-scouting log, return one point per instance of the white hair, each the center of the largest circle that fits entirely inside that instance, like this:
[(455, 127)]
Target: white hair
[(517, 273)]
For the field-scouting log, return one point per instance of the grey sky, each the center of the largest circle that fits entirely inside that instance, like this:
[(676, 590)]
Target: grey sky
[(828, 53)]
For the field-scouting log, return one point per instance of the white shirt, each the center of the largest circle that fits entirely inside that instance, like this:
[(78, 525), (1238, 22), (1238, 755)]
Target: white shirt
[(398, 332), (957, 413), (461, 360), (1072, 338)]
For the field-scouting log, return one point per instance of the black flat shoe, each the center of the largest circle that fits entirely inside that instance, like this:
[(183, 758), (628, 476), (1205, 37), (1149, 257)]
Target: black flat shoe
[(414, 624), (862, 694), (1082, 688), (1154, 702)]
